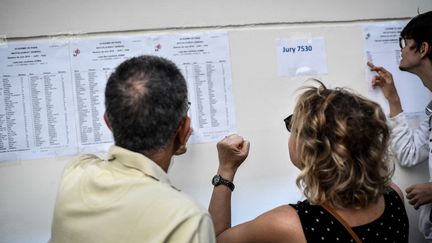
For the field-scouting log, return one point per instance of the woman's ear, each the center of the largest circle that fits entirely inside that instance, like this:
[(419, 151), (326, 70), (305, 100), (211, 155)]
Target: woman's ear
[(107, 121)]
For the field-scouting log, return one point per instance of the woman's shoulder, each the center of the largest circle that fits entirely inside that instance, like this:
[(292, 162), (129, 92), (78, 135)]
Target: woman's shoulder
[(282, 212), (280, 224), (284, 222), (395, 188)]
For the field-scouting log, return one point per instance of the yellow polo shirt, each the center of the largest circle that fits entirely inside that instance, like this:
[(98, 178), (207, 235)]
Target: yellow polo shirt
[(125, 199)]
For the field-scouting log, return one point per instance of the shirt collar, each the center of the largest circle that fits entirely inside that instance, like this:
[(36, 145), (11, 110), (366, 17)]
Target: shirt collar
[(139, 162)]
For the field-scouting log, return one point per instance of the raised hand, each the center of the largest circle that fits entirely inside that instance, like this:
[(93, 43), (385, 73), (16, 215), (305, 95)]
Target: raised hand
[(232, 151)]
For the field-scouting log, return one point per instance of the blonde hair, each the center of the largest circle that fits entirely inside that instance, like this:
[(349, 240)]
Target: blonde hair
[(342, 141)]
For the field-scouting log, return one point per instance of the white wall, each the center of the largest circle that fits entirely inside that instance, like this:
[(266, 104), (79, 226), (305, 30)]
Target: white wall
[(262, 99), (20, 18)]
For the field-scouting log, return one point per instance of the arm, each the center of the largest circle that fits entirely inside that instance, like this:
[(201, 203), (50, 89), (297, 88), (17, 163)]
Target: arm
[(278, 225), (410, 146), (281, 224), (384, 80), (232, 151)]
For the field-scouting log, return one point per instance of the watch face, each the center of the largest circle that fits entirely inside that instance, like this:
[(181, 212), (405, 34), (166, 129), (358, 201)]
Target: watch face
[(219, 180), (216, 180)]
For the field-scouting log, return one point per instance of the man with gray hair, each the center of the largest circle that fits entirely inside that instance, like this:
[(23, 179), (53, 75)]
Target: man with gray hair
[(128, 197)]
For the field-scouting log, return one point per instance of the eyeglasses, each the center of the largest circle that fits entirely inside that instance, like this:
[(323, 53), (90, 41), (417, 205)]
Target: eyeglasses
[(288, 122), (402, 42), (188, 105)]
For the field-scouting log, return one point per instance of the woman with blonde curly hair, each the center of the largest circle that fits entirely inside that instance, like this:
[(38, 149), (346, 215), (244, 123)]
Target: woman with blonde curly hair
[(339, 142)]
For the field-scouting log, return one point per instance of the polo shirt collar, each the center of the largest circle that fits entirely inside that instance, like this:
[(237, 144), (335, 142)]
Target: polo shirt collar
[(139, 162)]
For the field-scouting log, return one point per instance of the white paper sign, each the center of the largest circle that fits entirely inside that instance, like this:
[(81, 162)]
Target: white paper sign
[(204, 61), (36, 107), (52, 92), (300, 57)]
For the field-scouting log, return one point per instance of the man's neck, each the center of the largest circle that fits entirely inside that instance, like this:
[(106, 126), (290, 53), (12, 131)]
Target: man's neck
[(425, 74), (162, 159)]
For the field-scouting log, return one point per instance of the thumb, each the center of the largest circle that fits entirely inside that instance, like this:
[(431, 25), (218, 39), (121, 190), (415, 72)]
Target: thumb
[(244, 148)]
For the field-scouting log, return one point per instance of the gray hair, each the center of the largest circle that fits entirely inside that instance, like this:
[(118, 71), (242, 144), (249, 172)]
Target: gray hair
[(145, 100)]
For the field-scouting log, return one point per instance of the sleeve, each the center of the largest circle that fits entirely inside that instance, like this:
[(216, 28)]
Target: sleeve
[(206, 230), (196, 229), (425, 225), (409, 145)]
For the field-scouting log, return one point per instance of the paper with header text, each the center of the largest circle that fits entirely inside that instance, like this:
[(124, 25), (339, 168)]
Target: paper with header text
[(52, 91), (381, 47)]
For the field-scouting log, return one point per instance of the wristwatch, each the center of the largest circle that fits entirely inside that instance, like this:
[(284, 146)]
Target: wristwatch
[(219, 180)]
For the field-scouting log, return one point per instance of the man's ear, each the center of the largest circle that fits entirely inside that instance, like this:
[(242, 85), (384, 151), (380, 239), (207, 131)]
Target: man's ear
[(107, 121), (425, 49), (185, 129), (183, 133)]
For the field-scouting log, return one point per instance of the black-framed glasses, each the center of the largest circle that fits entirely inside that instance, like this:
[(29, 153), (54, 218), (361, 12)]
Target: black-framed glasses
[(288, 122), (402, 42)]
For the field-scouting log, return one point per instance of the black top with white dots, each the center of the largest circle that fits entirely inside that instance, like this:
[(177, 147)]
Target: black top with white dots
[(320, 226)]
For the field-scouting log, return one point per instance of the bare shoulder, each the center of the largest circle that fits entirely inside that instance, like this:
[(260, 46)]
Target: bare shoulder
[(284, 213), (281, 224), (397, 189), (284, 220)]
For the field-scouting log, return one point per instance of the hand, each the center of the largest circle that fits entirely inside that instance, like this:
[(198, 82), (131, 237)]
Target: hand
[(232, 151), (419, 194), (384, 80)]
